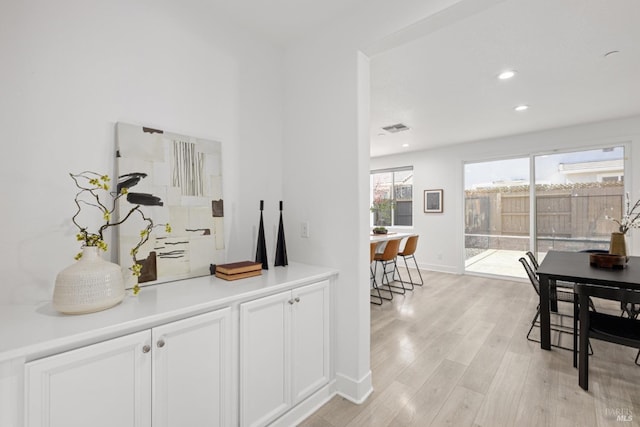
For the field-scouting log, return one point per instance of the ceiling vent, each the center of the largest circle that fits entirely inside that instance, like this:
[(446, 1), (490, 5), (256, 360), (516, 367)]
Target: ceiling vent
[(398, 127)]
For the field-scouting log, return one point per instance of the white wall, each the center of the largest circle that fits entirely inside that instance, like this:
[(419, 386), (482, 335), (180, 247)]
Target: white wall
[(326, 158), (71, 69), (442, 235)]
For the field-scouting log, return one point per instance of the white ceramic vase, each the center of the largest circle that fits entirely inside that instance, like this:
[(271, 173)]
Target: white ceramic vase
[(89, 285)]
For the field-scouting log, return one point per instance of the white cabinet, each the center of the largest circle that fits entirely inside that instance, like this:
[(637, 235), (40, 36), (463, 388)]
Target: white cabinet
[(101, 385), (171, 358), (310, 326), (265, 349), (192, 371), (284, 351), (174, 374)]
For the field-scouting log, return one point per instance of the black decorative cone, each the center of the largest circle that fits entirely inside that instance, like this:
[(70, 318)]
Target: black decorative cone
[(281, 247), (261, 250)]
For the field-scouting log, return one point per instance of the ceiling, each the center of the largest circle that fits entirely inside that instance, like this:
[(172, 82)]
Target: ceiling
[(284, 20), (444, 86)]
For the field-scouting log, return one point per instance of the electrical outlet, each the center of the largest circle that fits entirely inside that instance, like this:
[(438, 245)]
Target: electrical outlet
[(304, 229)]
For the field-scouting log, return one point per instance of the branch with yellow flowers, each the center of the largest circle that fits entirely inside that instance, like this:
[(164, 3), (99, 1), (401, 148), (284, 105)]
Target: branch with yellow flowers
[(94, 189)]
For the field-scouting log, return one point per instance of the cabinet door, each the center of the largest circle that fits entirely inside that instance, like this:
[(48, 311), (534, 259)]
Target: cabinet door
[(191, 371), (310, 331), (101, 385), (265, 348)]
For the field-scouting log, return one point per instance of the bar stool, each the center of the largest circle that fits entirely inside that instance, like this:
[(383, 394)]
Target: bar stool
[(408, 252), (377, 299), (387, 258)]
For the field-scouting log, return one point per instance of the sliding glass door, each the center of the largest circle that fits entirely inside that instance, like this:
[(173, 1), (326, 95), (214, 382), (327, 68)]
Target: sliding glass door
[(496, 204), (573, 195)]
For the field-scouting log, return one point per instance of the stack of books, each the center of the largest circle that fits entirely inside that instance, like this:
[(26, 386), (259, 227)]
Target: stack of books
[(238, 270)]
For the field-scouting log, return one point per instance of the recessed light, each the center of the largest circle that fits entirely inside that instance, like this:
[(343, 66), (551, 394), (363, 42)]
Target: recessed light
[(405, 145), (507, 74), (521, 108)]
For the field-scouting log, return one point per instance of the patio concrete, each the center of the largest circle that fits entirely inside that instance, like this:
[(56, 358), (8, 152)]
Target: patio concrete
[(499, 262)]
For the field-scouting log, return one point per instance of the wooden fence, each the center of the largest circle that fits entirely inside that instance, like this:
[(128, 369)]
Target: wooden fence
[(567, 212)]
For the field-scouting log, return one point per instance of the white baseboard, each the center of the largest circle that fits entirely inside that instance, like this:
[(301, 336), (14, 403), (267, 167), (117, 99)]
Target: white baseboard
[(356, 391), (304, 409), (352, 390), (440, 268)]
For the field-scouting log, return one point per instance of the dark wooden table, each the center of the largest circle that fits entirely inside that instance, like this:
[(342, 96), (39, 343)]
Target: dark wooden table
[(574, 267)]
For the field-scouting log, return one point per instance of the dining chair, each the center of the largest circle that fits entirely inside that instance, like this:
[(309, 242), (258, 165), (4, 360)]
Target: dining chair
[(632, 311), (376, 299), (533, 260), (605, 327), (408, 252), (560, 296), (388, 258), (555, 284)]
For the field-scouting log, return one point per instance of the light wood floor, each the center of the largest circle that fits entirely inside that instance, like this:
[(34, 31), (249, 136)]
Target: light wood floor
[(454, 353)]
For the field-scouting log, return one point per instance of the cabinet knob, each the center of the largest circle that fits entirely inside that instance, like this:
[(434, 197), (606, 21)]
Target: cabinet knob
[(146, 348), (290, 301), (297, 299), (160, 343)]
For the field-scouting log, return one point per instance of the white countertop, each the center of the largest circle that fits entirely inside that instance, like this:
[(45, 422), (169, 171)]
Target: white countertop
[(389, 236), (34, 331)]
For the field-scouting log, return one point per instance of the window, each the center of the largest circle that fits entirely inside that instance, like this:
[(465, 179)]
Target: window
[(392, 197), (575, 192), (572, 195)]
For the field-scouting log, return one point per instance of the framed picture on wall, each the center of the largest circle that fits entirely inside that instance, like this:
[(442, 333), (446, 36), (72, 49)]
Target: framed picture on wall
[(433, 201)]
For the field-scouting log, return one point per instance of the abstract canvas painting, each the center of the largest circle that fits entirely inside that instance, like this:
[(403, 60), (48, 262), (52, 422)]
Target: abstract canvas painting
[(177, 180)]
